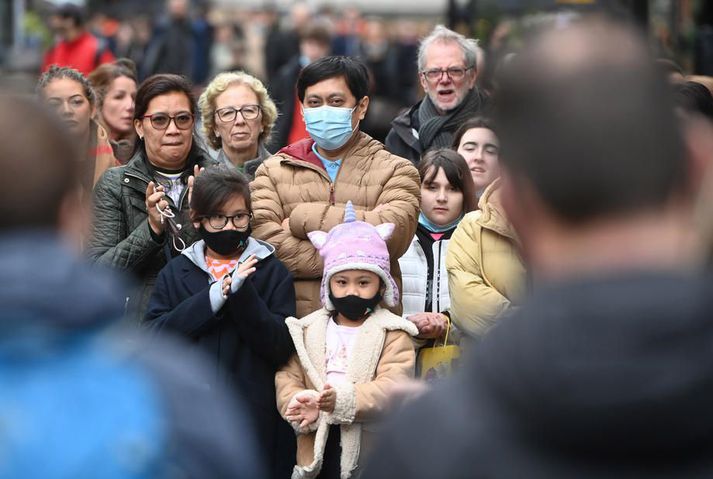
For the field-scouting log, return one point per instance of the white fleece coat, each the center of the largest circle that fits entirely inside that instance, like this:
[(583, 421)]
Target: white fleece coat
[(383, 355)]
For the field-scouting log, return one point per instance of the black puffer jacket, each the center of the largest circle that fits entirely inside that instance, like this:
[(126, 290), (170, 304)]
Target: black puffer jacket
[(121, 237)]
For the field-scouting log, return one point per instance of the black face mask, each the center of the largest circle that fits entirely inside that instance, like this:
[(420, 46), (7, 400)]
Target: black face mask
[(353, 307), (225, 242)]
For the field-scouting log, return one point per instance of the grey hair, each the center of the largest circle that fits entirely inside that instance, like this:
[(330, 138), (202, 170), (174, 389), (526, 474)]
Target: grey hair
[(56, 72), (441, 34)]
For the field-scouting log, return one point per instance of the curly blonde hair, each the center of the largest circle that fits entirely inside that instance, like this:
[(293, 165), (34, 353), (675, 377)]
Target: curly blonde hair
[(218, 85)]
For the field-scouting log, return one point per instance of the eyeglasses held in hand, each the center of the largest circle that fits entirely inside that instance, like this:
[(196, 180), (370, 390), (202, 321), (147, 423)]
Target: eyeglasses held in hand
[(454, 73), (240, 220), (160, 121), (228, 114)]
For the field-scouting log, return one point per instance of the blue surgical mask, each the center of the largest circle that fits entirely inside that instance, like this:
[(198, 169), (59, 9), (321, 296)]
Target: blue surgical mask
[(329, 126)]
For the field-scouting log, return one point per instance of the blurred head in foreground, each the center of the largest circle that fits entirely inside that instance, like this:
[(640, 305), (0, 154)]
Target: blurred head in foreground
[(589, 139)]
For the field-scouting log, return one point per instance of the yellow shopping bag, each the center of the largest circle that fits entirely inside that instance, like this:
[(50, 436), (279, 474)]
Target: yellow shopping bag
[(438, 362)]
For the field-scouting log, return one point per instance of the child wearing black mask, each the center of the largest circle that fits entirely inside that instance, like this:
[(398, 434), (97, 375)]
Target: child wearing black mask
[(229, 294), (349, 353)]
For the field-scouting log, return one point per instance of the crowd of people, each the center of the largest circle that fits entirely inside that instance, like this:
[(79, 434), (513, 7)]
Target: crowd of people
[(296, 298)]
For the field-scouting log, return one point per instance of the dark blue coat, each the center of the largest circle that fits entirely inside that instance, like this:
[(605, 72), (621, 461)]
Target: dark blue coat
[(247, 337)]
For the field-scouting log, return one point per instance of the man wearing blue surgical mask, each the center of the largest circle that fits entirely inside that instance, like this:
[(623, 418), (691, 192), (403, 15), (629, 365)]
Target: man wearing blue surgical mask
[(306, 185)]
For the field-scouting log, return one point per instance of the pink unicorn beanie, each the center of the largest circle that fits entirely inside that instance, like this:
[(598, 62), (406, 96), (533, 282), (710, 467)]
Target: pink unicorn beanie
[(355, 245)]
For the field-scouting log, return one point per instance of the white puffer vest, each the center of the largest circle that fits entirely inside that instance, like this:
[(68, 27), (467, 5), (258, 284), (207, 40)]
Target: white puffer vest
[(414, 274)]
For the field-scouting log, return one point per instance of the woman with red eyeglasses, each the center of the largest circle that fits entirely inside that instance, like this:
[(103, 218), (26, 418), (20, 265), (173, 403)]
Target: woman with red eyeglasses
[(141, 208)]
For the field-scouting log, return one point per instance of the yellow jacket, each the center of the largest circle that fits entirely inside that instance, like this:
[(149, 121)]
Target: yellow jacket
[(486, 275)]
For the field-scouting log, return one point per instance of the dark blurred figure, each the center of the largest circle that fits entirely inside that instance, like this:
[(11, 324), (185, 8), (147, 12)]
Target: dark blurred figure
[(406, 52), (75, 46), (81, 398), (378, 54), (228, 52), (179, 44), (347, 38), (607, 370), (314, 43), (282, 44), (133, 39)]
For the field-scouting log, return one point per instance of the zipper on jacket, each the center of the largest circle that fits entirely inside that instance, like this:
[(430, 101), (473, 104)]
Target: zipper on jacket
[(436, 289), (304, 164)]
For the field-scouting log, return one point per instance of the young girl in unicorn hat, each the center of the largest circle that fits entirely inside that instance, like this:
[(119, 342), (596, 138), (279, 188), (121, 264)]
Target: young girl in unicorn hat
[(348, 353)]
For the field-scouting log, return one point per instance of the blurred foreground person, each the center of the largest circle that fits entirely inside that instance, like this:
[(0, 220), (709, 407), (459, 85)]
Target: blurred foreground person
[(607, 369), (79, 397)]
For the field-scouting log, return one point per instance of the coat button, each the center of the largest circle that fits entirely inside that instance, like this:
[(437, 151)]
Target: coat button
[(126, 180)]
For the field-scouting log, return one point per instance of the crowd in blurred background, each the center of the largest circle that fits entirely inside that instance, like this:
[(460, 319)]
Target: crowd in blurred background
[(255, 234)]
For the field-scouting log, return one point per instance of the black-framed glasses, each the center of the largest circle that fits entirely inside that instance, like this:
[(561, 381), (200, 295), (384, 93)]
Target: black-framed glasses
[(228, 114), (160, 121), (454, 73), (239, 220)]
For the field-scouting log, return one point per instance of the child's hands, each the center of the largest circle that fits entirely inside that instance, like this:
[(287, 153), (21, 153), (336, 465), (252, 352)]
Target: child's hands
[(303, 409), (246, 268), (327, 399), (243, 270), (227, 281)]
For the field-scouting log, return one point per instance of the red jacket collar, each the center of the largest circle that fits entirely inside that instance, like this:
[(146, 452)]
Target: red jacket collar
[(302, 150)]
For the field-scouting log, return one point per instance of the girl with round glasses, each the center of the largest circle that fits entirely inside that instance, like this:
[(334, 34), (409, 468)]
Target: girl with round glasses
[(238, 116), (141, 209), (229, 295)]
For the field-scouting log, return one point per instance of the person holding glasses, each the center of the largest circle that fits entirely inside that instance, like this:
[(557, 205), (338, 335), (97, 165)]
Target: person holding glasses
[(447, 72), (238, 118), (230, 295), (141, 208)]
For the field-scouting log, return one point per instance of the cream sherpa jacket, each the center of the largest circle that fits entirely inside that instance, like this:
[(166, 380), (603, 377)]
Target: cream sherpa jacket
[(383, 355)]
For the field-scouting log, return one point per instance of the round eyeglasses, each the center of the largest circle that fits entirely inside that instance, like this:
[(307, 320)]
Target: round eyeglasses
[(160, 121), (228, 114), (218, 222)]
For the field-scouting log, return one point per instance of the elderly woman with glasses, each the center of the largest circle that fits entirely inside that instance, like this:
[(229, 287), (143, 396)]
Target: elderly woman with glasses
[(238, 116), (141, 209)]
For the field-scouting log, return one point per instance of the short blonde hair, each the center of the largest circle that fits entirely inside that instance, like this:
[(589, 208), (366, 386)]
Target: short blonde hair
[(222, 82)]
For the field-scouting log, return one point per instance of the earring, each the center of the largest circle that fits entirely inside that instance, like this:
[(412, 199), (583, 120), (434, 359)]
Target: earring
[(217, 135)]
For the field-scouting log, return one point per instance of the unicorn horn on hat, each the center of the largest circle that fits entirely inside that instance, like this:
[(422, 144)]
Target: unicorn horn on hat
[(349, 213)]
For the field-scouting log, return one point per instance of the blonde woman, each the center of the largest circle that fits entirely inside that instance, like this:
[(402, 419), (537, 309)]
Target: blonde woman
[(238, 116)]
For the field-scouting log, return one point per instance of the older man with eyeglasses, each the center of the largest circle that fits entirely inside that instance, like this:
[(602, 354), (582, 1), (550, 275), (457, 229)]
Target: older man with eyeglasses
[(447, 71)]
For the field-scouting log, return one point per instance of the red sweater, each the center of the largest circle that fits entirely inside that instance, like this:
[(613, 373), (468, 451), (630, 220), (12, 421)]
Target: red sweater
[(80, 54)]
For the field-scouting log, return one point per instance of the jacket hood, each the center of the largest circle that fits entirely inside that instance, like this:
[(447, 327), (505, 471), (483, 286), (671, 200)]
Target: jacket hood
[(302, 150), (493, 216), (259, 248), (618, 367), (42, 284)]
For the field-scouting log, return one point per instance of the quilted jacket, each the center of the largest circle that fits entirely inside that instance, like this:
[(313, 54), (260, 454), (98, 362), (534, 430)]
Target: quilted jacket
[(486, 275), (121, 236), (294, 184)]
